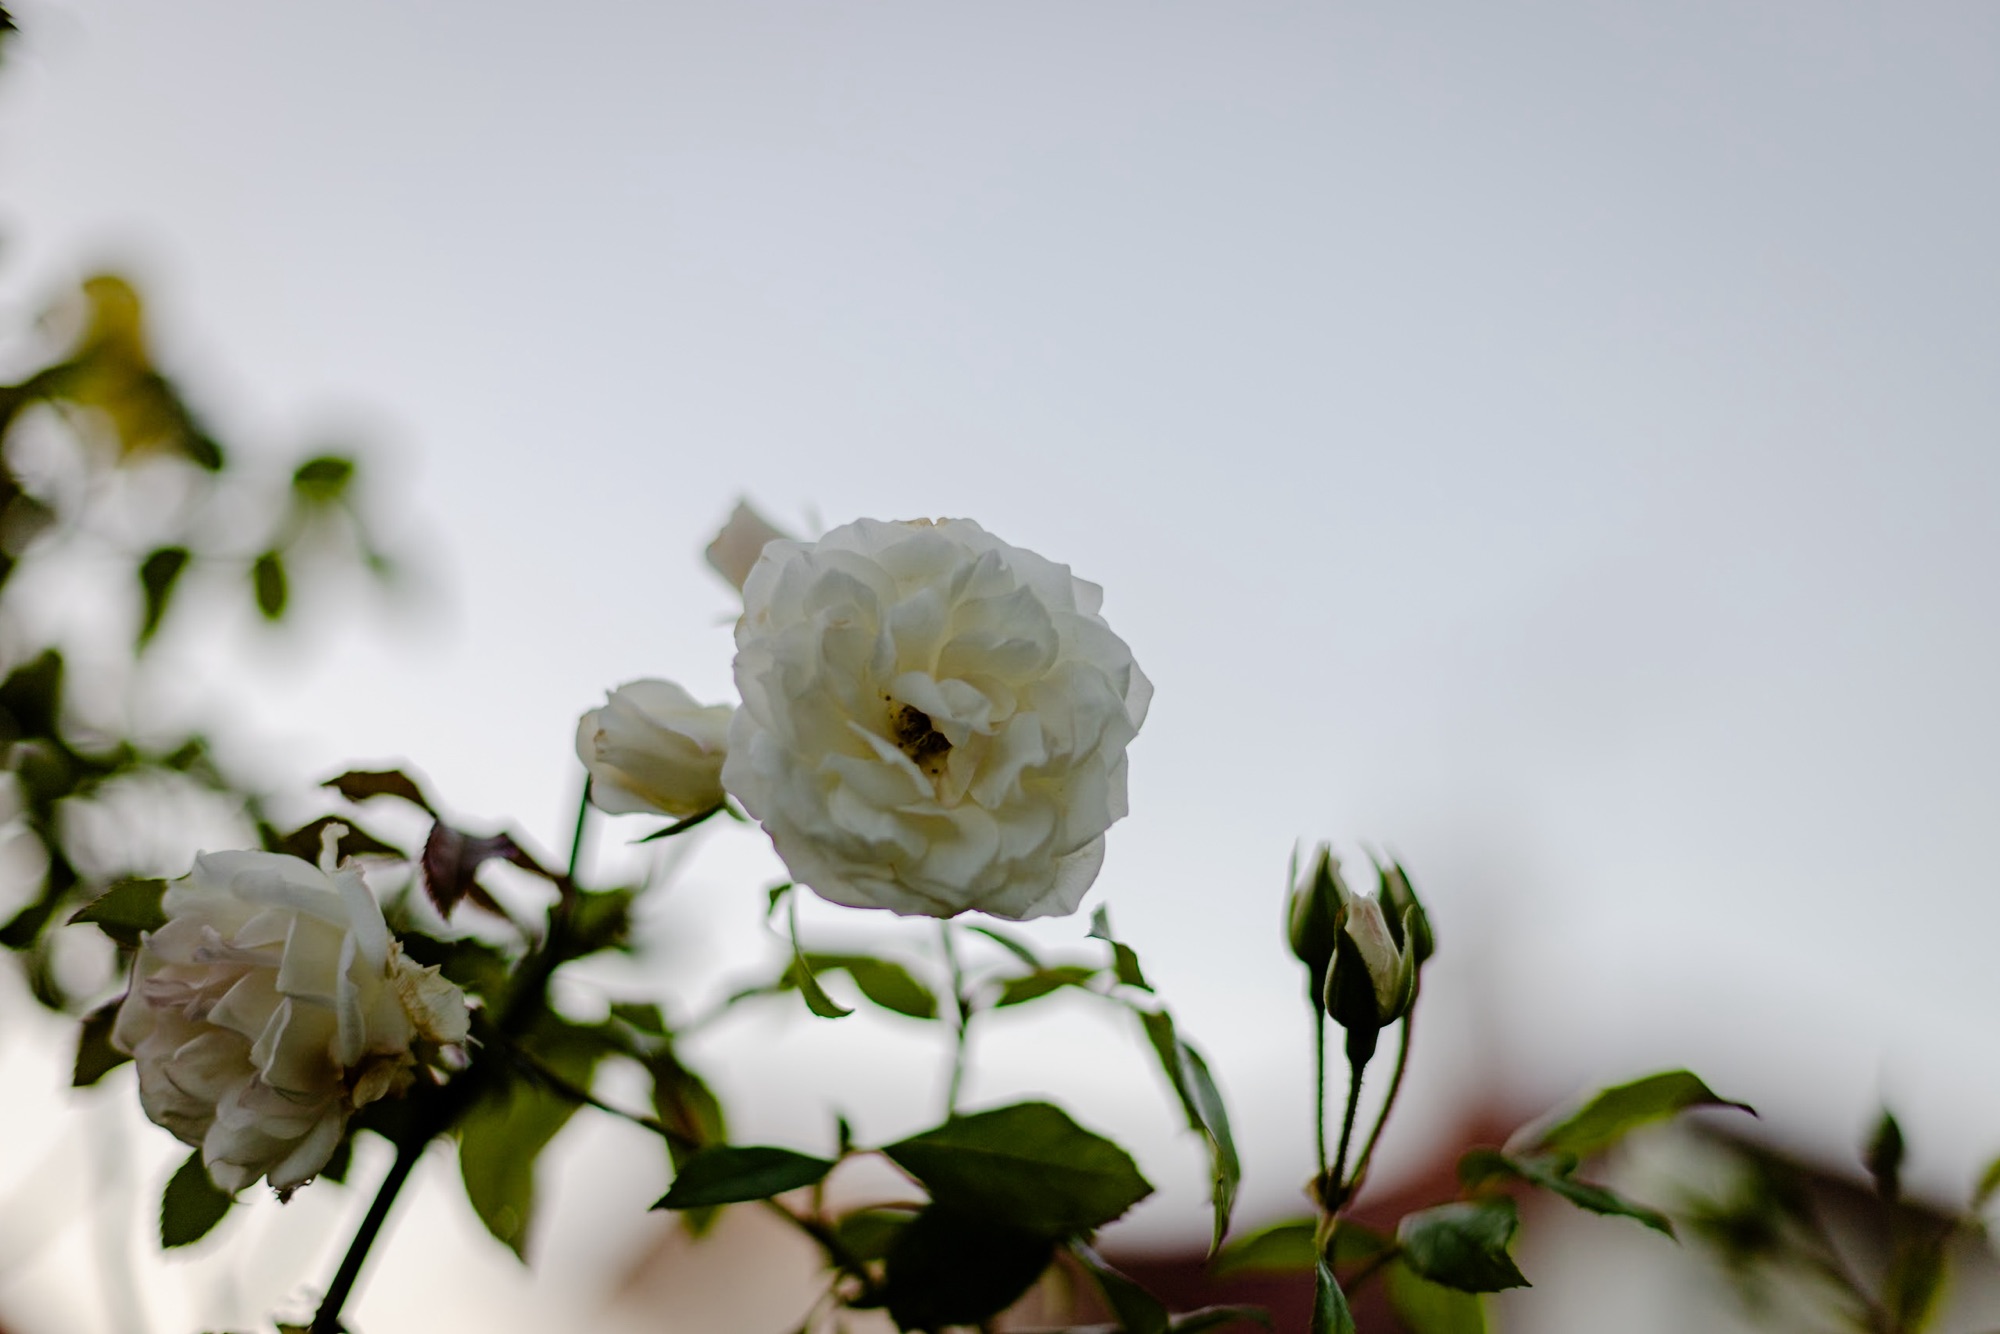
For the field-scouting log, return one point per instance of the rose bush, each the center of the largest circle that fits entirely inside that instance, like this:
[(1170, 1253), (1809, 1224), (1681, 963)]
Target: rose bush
[(653, 749), (933, 721), (270, 1006)]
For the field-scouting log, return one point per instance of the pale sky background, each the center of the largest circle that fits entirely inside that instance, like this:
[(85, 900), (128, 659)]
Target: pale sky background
[(1555, 442)]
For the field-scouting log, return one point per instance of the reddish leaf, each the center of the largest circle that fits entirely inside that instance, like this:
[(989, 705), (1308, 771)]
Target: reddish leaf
[(452, 857), (361, 784)]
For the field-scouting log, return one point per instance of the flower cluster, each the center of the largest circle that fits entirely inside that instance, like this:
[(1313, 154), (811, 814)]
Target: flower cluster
[(932, 721)]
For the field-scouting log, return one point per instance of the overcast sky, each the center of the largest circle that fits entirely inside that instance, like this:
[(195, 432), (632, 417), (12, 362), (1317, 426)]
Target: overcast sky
[(1554, 442)]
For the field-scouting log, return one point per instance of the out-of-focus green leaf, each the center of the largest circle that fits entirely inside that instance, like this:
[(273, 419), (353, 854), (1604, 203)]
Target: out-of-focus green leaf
[(1124, 962), (1330, 1311), (1282, 1248), (268, 581), (126, 909), (1616, 1112), (95, 1056), (31, 698), (1138, 1311), (1552, 1172), (1201, 1100), (1989, 1184), (499, 1140), (1013, 944), (889, 985), (1027, 1166), (1463, 1245), (1915, 1281), (159, 575), (869, 1234), (731, 1174), (1431, 1308), (1884, 1157), (192, 1204), (323, 478), (949, 1267), (1033, 986)]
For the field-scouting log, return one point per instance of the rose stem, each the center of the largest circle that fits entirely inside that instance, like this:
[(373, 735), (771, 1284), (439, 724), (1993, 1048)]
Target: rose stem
[(1388, 1104), (964, 1016), (527, 997), (1354, 1070), (1319, 1084)]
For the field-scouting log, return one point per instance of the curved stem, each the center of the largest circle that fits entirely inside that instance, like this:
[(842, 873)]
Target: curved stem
[(524, 1000), (1388, 1104)]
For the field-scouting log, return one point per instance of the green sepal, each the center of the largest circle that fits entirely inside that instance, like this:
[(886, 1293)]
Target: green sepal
[(95, 1056)]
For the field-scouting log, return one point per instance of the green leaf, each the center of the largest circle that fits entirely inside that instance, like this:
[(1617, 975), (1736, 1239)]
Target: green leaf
[(1201, 1100), (1915, 1280), (192, 1204), (159, 575), (126, 909), (800, 974), (870, 1234), (323, 478), (731, 1174), (95, 1056), (1616, 1112), (889, 985), (499, 1140), (1463, 1245), (948, 1267), (1282, 1248), (1431, 1308), (1013, 944), (1124, 963), (1989, 1183), (267, 579), (1552, 1172), (1033, 986), (1027, 1166), (1330, 1313), (1884, 1157), (1138, 1311)]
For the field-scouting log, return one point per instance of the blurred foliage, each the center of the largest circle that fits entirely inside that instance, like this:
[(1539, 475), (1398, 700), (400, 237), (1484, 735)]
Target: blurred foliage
[(105, 464)]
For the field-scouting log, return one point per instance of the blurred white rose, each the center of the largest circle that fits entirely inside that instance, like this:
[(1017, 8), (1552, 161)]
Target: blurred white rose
[(653, 749), (933, 721), (271, 1005), (736, 548)]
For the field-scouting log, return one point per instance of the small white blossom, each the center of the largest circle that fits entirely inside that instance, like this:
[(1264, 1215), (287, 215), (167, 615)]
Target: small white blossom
[(933, 721), (653, 749)]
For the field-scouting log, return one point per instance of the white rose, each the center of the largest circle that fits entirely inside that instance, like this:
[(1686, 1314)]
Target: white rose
[(736, 548), (271, 1005), (651, 748), (933, 721)]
